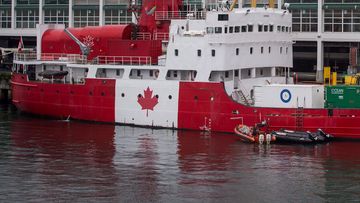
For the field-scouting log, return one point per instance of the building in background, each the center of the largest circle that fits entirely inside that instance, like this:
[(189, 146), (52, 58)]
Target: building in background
[(324, 30)]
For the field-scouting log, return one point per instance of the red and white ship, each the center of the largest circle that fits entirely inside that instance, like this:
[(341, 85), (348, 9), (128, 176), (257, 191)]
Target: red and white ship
[(199, 70)]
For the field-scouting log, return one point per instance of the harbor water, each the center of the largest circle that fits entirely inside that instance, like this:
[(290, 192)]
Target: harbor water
[(44, 160)]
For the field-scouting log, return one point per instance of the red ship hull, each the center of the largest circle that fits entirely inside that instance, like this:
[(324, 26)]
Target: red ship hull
[(199, 104)]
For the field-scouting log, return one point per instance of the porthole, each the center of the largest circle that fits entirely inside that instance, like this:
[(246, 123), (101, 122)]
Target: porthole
[(211, 98), (170, 97), (196, 98), (104, 81), (57, 91), (157, 96), (41, 90), (90, 93), (139, 95), (71, 92), (122, 95), (102, 93)]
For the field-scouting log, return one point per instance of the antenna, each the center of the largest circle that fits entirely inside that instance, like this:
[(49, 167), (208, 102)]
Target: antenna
[(85, 50)]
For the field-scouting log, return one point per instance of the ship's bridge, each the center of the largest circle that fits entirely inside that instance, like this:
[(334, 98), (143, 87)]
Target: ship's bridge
[(224, 40)]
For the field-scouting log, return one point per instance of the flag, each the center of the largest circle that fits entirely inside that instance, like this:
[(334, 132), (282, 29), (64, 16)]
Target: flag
[(21, 44)]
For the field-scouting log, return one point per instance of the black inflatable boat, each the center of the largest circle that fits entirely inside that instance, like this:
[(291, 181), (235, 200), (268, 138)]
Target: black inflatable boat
[(301, 136)]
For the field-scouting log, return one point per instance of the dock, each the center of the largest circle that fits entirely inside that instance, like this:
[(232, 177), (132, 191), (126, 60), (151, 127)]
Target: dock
[(5, 90)]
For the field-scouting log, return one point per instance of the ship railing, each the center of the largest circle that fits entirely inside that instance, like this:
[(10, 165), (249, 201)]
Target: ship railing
[(164, 36), (32, 56), (123, 60), (143, 36), (177, 15)]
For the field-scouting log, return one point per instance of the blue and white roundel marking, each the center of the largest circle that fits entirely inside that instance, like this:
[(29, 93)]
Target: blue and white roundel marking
[(285, 96)]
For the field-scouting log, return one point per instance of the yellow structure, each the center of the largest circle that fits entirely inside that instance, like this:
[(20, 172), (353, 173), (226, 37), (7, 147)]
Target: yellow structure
[(253, 3), (327, 74), (271, 3), (233, 5), (334, 78), (352, 79)]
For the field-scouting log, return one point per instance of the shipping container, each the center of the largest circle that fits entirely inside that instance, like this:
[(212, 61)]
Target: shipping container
[(342, 96), (289, 96)]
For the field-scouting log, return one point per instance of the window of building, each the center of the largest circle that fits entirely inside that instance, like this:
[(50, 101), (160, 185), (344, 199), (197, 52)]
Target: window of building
[(27, 17), (117, 16), (86, 17), (56, 16), (5, 17)]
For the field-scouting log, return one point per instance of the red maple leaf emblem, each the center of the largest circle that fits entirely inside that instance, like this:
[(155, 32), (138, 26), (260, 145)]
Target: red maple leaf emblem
[(147, 102)]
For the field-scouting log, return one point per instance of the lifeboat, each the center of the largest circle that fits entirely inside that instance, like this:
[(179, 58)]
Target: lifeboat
[(307, 137), (250, 134)]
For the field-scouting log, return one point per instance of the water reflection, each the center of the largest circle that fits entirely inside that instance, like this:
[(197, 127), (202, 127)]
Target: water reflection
[(45, 160)]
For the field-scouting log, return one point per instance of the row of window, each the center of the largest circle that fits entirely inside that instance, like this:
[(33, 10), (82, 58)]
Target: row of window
[(247, 28), (28, 18), (237, 51)]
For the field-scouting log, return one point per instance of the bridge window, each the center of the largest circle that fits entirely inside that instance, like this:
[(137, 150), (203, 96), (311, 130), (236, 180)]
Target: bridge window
[(266, 28), (231, 29), (198, 52), (250, 28), (213, 52), (226, 30), (260, 28), (271, 28), (243, 28), (223, 17), (176, 52), (279, 28), (210, 30), (218, 30), (251, 50), (237, 51), (237, 29), (262, 50), (281, 50), (269, 50)]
